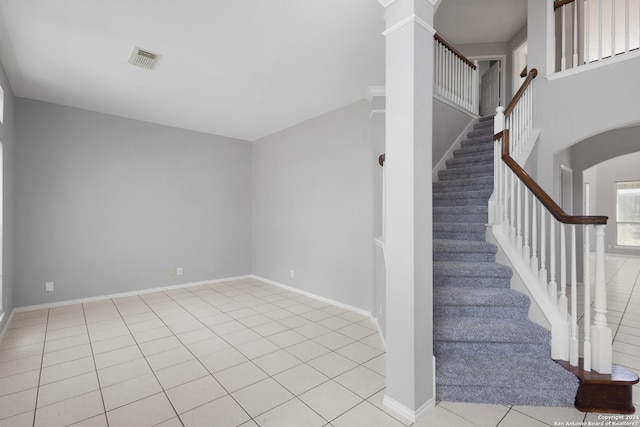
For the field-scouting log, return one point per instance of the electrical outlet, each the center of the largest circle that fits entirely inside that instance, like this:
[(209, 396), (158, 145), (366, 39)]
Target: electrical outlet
[(179, 271), (292, 274), (48, 286)]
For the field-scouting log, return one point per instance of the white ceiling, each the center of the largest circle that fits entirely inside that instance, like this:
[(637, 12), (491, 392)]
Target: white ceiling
[(238, 68), (480, 21)]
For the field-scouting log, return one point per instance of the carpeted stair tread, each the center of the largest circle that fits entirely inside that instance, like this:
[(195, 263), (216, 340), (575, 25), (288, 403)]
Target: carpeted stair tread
[(465, 184), (479, 149), (486, 297), (471, 269), (487, 350), (469, 172), (486, 126), (503, 371), (502, 379), (459, 231), (486, 118), (458, 246), (461, 162), (480, 132), (463, 250), (471, 194), (487, 331), (468, 210)]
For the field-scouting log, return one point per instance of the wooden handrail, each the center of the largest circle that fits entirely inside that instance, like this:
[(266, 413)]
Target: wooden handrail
[(455, 51), (539, 193), (523, 73), (532, 75), (559, 3)]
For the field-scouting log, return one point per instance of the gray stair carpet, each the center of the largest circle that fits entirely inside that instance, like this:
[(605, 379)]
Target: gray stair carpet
[(487, 350)]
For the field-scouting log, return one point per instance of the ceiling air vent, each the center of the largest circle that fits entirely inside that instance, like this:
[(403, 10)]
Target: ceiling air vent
[(143, 58)]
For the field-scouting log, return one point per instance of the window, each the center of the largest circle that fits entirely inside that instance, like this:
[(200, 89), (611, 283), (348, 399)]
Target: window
[(628, 213)]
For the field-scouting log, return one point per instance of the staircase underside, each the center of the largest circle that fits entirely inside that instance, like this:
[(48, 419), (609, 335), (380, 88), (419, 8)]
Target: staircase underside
[(486, 349)]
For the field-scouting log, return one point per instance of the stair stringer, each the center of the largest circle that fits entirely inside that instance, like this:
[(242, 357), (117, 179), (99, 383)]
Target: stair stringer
[(441, 165), (542, 311)]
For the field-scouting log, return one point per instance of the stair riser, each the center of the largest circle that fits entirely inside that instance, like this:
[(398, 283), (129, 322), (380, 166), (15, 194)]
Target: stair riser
[(471, 257), (484, 143), (454, 349), (479, 236), (511, 396), (480, 133), (454, 186), (460, 202), (469, 162), (472, 282), (491, 312), (480, 150), (460, 219), (447, 175)]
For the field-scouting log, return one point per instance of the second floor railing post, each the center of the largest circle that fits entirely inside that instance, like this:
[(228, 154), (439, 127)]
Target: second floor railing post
[(475, 87)]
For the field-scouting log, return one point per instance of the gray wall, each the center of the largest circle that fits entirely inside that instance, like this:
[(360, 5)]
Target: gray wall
[(448, 123), (107, 205), (616, 145), (623, 168), (7, 136), (313, 206), (575, 107)]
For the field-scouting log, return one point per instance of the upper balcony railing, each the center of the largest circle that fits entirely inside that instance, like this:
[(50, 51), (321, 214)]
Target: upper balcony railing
[(590, 31), (455, 76)]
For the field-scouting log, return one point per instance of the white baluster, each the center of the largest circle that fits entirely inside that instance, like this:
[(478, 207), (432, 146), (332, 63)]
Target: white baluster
[(599, 30), (512, 212), (601, 356), (627, 27), (505, 199), (526, 250), (587, 36), (563, 302), (553, 286), (519, 216), (563, 56), (534, 237), (543, 248), (613, 28), (586, 365), (575, 34), (573, 344)]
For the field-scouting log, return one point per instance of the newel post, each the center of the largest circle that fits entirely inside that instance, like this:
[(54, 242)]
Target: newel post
[(475, 84), (601, 334), (498, 120)]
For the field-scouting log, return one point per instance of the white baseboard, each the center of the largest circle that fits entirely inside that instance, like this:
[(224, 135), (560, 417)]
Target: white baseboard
[(407, 413), (6, 325), (316, 297), (382, 338), (127, 294)]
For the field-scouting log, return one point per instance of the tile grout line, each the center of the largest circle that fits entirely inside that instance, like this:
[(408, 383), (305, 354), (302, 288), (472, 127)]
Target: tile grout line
[(148, 364), (44, 343)]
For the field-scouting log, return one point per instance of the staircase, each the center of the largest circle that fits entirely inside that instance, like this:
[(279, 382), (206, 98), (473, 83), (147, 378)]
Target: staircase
[(486, 349)]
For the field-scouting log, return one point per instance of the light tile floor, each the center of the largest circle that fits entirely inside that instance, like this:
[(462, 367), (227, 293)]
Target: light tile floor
[(241, 353)]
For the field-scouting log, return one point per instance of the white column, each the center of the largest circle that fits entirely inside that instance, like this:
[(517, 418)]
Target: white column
[(409, 240)]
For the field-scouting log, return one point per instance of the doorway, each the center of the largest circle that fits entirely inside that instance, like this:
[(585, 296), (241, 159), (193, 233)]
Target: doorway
[(492, 83)]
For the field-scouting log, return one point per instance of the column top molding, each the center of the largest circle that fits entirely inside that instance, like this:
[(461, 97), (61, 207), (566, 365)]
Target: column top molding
[(387, 3), (408, 20)]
